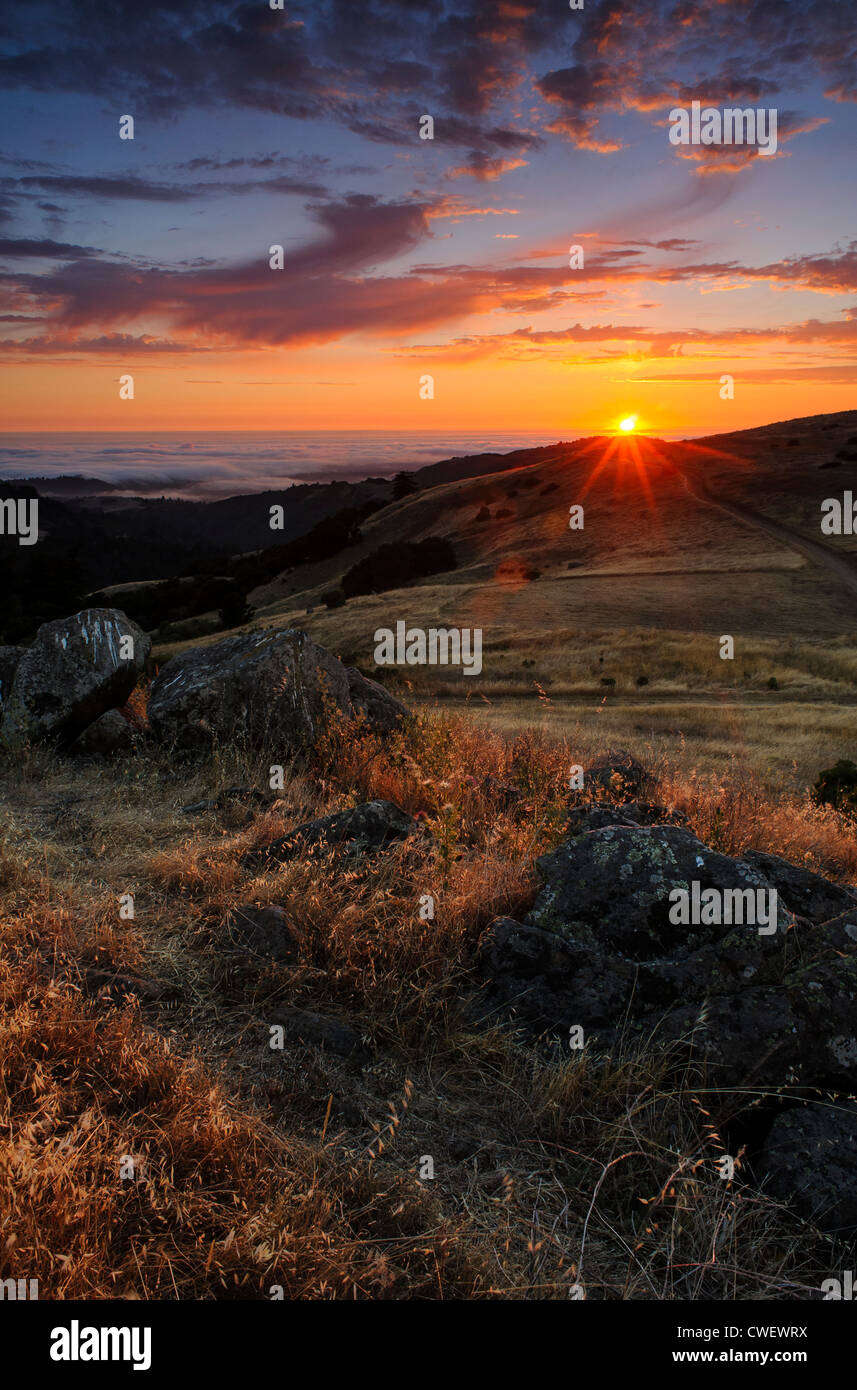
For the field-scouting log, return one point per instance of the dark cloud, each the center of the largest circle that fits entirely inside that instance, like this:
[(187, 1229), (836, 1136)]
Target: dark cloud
[(131, 188), (19, 248), (331, 287), (376, 66)]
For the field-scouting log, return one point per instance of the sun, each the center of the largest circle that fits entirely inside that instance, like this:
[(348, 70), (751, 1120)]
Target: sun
[(628, 424)]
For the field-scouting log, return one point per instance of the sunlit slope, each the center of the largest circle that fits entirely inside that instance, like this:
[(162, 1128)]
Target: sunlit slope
[(650, 553), (785, 470)]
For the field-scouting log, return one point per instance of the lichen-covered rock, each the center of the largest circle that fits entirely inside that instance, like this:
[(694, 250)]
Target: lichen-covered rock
[(76, 670), (610, 889), (759, 1008), (805, 892), (810, 1161), (360, 830), (549, 983), (271, 688), (761, 1013)]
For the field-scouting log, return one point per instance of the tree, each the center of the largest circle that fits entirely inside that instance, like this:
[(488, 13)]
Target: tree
[(404, 484)]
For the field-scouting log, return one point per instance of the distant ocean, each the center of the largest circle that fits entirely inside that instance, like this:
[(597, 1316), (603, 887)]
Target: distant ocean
[(208, 464)]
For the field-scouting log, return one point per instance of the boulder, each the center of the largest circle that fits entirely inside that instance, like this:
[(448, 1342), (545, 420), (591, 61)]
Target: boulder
[(805, 892), (9, 659), (598, 950), (609, 890), (381, 710), (304, 1026), (810, 1161), (72, 674), (109, 735), (272, 687), (262, 931), (358, 831)]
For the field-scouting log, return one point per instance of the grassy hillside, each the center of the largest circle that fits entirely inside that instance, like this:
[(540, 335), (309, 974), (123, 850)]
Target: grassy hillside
[(149, 1039)]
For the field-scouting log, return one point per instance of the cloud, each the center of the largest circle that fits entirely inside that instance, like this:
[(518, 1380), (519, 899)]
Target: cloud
[(485, 168), (131, 188), (122, 345), (19, 248), (638, 341)]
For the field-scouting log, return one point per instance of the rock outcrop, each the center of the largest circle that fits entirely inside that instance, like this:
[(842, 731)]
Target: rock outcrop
[(763, 993), (76, 670), (9, 660), (810, 1161), (270, 688), (110, 735)]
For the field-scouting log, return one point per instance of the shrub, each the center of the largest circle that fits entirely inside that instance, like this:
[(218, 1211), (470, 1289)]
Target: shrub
[(235, 610), (837, 786), (642, 680), (391, 566), (333, 598), (404, 485)]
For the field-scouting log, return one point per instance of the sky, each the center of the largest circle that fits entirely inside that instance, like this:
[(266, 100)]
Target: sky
[(406, 258)]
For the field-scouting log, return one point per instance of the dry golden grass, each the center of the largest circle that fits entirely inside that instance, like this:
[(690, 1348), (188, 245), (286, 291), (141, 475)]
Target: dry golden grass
[(781, 744), (301, 1168)]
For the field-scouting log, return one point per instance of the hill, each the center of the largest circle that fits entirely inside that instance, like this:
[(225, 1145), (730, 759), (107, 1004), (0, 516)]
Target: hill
[(713, 537)]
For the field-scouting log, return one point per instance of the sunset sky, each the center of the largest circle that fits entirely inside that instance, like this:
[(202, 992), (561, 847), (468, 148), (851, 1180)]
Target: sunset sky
[(406, 256)]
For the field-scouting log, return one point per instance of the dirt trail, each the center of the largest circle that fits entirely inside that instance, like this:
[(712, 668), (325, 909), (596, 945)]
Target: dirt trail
[(820, 554)]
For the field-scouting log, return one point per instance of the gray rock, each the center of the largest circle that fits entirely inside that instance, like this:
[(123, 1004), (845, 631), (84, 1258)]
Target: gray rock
[(273, 688), (762, 1013), (262, 931), (358, 831), (810, 1161), (304, 1026), (759, 1009), (72, 674), (381, 710), (230, 797), (805, 892), (609, 890), (602, 815), (9, 659), (109, 735)]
